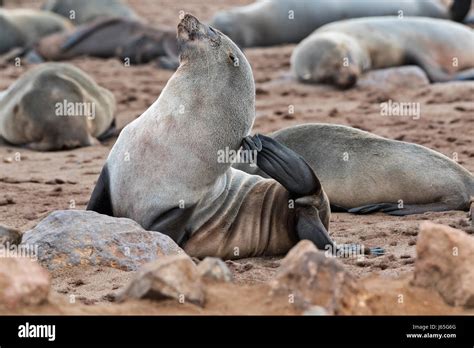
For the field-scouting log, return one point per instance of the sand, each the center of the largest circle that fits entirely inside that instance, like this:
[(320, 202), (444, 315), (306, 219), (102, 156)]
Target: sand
[(446, 125)]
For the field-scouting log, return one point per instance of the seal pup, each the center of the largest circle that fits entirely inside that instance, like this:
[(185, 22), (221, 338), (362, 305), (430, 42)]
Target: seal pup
[(164, 171), (23, 27), (55, 106), (111, 37), (338, 53), (83, 11), (364, 173), (275, 22)]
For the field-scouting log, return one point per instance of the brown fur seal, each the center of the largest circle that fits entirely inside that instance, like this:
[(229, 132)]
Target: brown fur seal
[(339, 52), (174, 182), (111, 37), (21, 27), (53, 107), (83, 11), (363, 173), (275, 22)]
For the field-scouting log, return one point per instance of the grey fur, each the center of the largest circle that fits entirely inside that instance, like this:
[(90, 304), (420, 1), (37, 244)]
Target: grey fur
[(377, 170), (28, 109), (339, 52)]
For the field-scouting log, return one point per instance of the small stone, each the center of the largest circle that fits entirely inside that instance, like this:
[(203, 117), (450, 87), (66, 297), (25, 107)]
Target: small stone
[(9, 236), (170, 277), (215, 269), (7, 159), (316, 310)]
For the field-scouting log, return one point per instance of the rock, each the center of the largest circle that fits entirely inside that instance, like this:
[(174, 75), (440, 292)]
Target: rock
[(404, 76), (22, 282), (214, 269), (170, 277), (73, 237), (444, 262), (308, 277), (315, 310), (9, 236)]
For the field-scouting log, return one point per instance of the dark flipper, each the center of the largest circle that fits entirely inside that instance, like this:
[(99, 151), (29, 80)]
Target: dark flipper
[(309, 226), (173, 224), (283, 165), (100, 200), (459, 10), (465, 75), (394, 209), (109, 133)]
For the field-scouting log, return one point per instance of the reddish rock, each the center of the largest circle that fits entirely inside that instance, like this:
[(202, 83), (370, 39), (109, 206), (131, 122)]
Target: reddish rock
[(215, 269), (445, 262), (22, 282), (308, 277), (170, 277)]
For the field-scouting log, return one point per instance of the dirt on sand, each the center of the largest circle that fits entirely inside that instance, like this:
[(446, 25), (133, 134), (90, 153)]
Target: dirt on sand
[(39, 183)]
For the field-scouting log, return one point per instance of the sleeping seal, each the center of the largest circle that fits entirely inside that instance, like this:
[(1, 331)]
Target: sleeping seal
[(82, 11), (55, 106), (275, 22), (111, 37), (164, 170), (364, 173), (339, 52), (22, 27)]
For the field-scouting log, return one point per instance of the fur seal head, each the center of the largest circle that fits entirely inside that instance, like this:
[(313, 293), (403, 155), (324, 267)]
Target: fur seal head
[(333, 58)]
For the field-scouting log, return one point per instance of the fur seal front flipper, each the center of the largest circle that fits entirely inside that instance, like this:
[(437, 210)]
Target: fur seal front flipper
[(100, 200), (294, 173)]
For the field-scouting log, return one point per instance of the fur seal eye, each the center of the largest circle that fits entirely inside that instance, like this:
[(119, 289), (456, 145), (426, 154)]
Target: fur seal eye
[(233, 58)]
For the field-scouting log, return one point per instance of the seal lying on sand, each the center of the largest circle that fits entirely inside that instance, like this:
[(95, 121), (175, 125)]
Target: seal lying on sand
[(164, 170), (112, 37), (339, 52), (55, 106), (274, 22), (82, 11), (364, 173), (21, 27)]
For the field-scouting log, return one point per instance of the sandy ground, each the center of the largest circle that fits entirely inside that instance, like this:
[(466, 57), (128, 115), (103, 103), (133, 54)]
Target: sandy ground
[(446, 125)]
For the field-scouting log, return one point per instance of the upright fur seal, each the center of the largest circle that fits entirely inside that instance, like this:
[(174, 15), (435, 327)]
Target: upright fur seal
[(339, 52), (274, 22), (55, 106), (164, 171), (22, 27), (364, 173), (83, 11), (111, 37)]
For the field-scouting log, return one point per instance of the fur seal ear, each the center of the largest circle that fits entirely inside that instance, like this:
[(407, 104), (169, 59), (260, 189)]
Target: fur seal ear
[(234, 59)]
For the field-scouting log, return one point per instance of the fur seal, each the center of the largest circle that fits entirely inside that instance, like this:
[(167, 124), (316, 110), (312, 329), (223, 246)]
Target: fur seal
[(339, 52), (83, 11), (173, 181), (274, 22), (364, 173), (55, 106), (111, 37), (22, 27)]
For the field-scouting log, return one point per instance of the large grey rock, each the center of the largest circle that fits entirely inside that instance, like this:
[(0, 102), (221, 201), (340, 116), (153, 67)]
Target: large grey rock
[(9, 236), (170, 277), (398, 77), (445, 262), (73, 237), (308, 277), (22, 282), (214, 269)]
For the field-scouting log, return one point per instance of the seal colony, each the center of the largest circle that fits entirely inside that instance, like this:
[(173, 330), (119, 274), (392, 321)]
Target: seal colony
[(54, 107), (163, 170), (111, 37), (338, 53), (23, 27), (274, 22), (365, 173)]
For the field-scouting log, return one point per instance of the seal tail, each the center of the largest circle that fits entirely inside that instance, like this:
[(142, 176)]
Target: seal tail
[(459, 10)]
